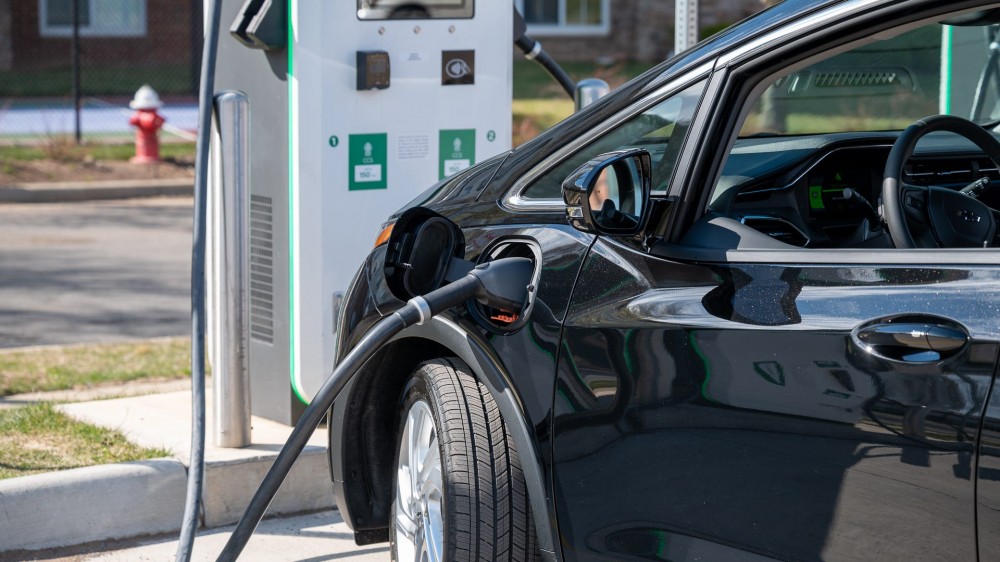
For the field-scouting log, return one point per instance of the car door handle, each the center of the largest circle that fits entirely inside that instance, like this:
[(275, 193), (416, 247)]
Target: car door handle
[(911, 340)]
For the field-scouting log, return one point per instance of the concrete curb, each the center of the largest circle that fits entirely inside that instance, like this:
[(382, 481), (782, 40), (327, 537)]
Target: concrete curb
[(230, 485), (93, 503), (58, 192), (111, 502)]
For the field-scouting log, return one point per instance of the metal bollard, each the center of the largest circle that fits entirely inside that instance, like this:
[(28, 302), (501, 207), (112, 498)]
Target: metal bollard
[(230, 267), (588, 91)]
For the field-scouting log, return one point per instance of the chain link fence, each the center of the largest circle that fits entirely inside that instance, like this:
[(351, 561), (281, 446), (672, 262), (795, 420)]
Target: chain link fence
[(64, 77)]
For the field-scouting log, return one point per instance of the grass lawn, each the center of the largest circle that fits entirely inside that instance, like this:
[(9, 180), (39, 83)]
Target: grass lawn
[(808, 123), (539, 102), (65, 150), (124, 81), (531, 80), (532, 116), (37, 438), (62, 368)]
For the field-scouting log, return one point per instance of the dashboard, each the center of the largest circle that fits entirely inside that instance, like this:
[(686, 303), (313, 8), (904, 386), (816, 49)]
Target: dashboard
[(823, 191)]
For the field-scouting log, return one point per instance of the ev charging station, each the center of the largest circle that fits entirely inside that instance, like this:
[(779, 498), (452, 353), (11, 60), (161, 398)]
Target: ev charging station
[(350, 109)]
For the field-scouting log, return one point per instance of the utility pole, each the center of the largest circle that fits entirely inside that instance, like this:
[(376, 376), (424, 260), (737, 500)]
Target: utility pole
[(75, 64), (774, 110), (685, 24)]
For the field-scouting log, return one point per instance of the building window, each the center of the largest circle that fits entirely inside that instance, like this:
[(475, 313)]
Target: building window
[(566, 17), (98, 18)]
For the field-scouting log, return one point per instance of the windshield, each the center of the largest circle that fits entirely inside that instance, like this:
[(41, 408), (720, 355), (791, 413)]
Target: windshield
[(888, 84)]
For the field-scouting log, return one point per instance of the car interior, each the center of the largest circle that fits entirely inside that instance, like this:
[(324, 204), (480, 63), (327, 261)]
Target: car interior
[(811, 165)]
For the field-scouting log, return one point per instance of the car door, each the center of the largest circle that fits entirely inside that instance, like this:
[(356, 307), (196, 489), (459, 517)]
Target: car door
[(722, 403), (988, 478), (731, 411)]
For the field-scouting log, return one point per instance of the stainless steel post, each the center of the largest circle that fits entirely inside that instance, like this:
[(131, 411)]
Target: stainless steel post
[(588, 91), (230, 368)]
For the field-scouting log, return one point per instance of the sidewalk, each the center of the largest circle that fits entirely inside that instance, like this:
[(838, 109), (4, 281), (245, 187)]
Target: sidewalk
[(112, 502), (57, 192), (314, 537)]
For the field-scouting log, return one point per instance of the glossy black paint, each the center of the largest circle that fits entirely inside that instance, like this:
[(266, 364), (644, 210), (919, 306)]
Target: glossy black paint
[(988, 478), (694, 403), (748, 420)]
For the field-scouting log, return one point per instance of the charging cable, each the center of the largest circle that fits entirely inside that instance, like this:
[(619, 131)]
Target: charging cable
[(196, 468), (502, 284)]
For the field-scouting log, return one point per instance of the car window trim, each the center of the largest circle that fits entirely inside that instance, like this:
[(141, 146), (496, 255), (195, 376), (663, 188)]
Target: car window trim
[(514, 200), (917, 257), (808, 23)]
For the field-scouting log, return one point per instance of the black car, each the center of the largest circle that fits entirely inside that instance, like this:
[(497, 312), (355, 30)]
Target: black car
[(765, 320)]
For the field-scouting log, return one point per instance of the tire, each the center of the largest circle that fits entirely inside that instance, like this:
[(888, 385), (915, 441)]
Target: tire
[(452, 447)]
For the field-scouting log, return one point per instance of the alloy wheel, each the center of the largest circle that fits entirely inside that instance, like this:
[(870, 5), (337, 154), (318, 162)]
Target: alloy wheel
[(419, 519)]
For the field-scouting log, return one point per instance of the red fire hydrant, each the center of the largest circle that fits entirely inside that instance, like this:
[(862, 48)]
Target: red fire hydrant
[(147, 123)]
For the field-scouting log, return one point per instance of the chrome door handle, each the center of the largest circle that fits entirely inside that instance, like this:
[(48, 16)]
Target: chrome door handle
[(912, 339)]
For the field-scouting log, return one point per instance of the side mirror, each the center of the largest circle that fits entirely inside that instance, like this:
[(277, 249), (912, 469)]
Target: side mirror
[(610, 194)]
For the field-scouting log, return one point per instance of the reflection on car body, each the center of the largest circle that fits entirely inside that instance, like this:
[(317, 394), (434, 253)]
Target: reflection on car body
[(787, 349)]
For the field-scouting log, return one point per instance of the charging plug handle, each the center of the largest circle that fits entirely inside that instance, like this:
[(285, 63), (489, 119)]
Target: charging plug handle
[(503, 284)]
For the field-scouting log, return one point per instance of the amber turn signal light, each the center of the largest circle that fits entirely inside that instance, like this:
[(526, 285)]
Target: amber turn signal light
[(383, 235)]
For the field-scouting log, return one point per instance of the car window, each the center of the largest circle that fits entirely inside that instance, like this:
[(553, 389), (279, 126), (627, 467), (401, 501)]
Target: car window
[(660, 130), (880, 86), (808, 163)]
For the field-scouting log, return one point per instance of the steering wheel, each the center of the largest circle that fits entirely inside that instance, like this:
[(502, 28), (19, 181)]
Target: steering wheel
[(920, 217)]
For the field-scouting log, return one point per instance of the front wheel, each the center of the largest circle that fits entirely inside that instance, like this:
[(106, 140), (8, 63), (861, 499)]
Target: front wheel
[(459, 490)]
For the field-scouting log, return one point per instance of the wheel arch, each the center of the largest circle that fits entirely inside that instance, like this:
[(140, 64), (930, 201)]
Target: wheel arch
[(367, 417)]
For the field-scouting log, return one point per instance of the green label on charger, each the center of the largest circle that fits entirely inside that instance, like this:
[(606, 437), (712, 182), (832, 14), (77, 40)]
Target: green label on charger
[(367, 161), (456, 151)]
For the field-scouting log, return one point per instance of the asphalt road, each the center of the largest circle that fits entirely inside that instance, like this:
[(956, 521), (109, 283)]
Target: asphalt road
[(94, 271)]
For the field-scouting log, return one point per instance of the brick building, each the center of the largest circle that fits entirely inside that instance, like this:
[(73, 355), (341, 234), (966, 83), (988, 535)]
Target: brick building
[(6, 41), (34, 34), (639, 30), (116, 34)]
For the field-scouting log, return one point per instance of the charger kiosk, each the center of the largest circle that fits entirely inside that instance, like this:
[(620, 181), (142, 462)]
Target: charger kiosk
[(354, 108)]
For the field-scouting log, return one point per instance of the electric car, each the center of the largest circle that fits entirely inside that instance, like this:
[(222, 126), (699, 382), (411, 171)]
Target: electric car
[(764, 319)]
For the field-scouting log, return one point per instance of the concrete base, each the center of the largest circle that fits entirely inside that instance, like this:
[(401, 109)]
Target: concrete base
[(117, 501)]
